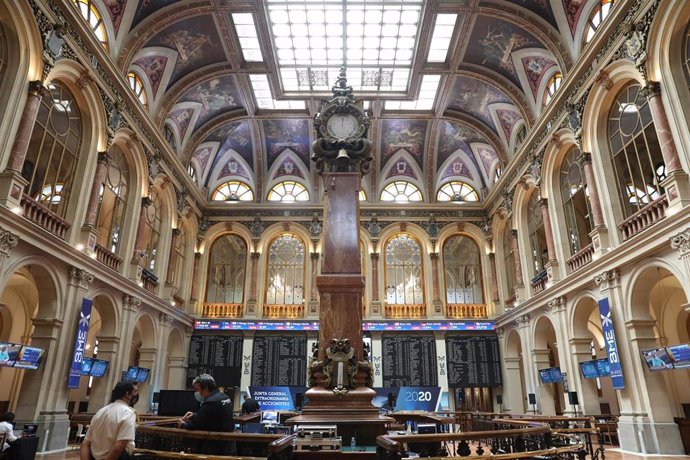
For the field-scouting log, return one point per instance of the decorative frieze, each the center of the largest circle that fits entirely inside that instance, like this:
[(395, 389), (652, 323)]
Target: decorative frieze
[(8, 240), (80, 278), (557, 305), (607, 280), (131, 303), (681, 243)]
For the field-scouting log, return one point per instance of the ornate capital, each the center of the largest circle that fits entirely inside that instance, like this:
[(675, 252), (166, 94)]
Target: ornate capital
[(36, 88), (374, 256), (8, 240), (499, 332), (80, 278), (146, 202), (652, 89), (604, 80), (522, 321), (188, 330), (585, 158), (607, 280), (315, 256), (681, 242), (433, 255), (176, 232), (131, 303), (557, 304), (513, 233), (104, 158), (544, 202), (166, 320)]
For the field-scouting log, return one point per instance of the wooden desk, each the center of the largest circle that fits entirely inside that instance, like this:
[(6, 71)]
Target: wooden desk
[(420, 417), (247, 418), (684, 428)]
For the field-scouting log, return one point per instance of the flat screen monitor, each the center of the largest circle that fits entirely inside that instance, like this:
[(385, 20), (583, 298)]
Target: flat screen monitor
[(589, 369), (269, 417), (99, 367), (550, 375), (143, 374), (680, 354), (545, 376), (657, 359), (9, 352), (131, 374), (29, 358), (603, 367), (176, 402), (86, 365)]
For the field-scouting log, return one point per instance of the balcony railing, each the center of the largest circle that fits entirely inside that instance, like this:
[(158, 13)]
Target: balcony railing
[(466, 310), (150, 280), (44, 217), (510, 301), (581, 257), (283, 311), (223, 310), (405, 311), (179, 301), (107, 258), (538, 283), (647, 216)]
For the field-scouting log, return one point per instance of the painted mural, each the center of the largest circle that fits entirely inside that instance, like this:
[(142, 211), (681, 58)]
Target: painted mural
[(456, 168), (535, 68), (540, 7), (403, 134), (508, 119), (280, 135), (573, 10), (493, 43), (288, 168), (148, 7), (474, 97), (153, 67), (216, 96), (196, 42), (454, 137), (233, 168), (202, 154), (181, 119), (401, 168), (233, 136), (487, 157), (116, 8)]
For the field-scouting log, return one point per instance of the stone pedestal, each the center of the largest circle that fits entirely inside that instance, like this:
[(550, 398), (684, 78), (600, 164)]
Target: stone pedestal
[(12, 186)]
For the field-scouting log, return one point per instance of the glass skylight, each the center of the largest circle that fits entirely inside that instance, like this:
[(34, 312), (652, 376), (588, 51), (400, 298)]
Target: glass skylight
[(249, 40), (374, 40), (425, 101), (440, 38), (264, 96)]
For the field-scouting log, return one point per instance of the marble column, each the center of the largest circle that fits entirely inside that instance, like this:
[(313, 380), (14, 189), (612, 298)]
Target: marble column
[(147, 359), (519, 288), (494, 278), (375, 299), (101, 388), (253, 281), (177, 373), (436, 301), (552, 265), (98, 182), (314, 291), (195, 277), (172, 259), (599, 234), (513, 399)]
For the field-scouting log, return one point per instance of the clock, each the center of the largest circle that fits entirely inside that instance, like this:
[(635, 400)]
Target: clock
[(342, 125)]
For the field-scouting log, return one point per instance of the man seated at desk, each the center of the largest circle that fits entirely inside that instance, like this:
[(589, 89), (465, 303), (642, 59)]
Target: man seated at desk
[(215, 412), (249, 406)]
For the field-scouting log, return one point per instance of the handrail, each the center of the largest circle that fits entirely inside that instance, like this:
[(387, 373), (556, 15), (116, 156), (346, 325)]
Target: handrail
[(214, 435), (188, 456)]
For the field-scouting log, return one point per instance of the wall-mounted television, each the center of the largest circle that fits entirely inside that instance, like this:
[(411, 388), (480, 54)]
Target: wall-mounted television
[(143, 374), (680, 354), (29, 358), (9, 353), (131, 374), (551, 375), (657, 359), (86, 365), (589, 370), (99, 367), (603, 367)]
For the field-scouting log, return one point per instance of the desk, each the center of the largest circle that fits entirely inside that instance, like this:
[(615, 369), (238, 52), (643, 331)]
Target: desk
[(684, 428), (247, 418), (23, 449)]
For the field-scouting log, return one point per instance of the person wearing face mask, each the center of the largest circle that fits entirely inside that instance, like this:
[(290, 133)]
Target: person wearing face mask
[(215, 412), (112, 429)]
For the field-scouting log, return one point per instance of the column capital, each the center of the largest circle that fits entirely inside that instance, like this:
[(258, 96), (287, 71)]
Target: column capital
[(500, 332), (681, 243), (544, 202), (433, 255), (651, 89), (315, 255), (176, 232), (146, 202), (36, 88), (585, 158), (166, 320), (8, 240), (374, 255), (557, 305), (131, 303), (80, 278), (607, 280), (522, 321), (513, 233), (104, 158)]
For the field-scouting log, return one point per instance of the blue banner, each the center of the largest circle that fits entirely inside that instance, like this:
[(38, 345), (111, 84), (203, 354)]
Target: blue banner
[(611, 346), (276, 398), (408, 398), (80, 343)]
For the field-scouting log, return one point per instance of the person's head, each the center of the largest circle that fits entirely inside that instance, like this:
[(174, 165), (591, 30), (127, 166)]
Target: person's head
[(7, 417), (246, 397), (125, 391), (204, 384)]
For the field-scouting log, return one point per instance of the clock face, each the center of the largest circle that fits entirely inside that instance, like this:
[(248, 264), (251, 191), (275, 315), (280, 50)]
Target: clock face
[(342, 125)]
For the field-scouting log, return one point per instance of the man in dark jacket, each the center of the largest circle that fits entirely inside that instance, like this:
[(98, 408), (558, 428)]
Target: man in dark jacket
[(215, 412), (249, 406)]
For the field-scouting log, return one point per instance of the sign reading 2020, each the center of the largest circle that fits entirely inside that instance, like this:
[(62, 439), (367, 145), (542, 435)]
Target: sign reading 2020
[(418, 398), (612, 353)]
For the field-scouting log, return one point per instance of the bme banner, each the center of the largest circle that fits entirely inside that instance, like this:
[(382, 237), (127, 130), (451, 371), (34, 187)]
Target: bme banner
[(611, 346), (80, 343)]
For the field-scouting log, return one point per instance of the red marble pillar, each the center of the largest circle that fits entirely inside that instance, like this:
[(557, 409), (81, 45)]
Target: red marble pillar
[(195, 276), (494, 278), (662, 127), (594, 200), (254, 271), (140, 241), (172, 259), (550, 247), (314, 271), (99, 178), (374, 276), (26, 126), (434, 275), (516, 256)]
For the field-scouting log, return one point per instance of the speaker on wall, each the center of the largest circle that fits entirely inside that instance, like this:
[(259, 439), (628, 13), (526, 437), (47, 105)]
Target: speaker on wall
[(572, 398), (499, 399), (532, 398)]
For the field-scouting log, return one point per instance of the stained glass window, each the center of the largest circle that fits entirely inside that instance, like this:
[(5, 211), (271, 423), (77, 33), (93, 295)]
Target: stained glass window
[(288, 192), (457, 192), (93, 17), (233, 191), (401, 191)]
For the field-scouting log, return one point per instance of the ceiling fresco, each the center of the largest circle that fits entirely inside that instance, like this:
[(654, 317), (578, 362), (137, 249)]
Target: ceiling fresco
[(191, 56)]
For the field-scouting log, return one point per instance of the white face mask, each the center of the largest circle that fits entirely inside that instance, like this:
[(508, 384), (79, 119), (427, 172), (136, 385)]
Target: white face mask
[(198, 397)]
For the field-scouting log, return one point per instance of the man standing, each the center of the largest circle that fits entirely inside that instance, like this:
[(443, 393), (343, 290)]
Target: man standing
[(249, 406), (215, 412), (111, 433)]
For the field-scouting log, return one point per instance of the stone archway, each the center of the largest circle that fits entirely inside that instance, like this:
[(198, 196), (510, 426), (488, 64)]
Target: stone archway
[(514, 372), (144, 354), (545, 355), (174, 374)]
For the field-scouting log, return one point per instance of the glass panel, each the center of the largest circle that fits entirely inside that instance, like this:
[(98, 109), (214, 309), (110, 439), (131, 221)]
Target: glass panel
[(457, 192), (227, 269), (288, 192), (509, 259), (113, 202), (233, 191), (537, 236), (401, 192), (596, 17), (285, 271), (403, 271), (575, 202), (462, 265)]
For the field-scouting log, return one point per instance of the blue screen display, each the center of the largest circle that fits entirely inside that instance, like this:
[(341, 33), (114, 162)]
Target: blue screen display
[(9, 352), (657, 359), (366, 325), (550, 375), (132, 373), (545, 375), (143, 374), (29, 358), (86, 365), (99, 367), (589, 370), (603, 367), (680, 354)]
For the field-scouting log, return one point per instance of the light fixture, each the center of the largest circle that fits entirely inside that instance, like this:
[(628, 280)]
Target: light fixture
[(232, 198), (18, 210), (457, 198), (80, 247)]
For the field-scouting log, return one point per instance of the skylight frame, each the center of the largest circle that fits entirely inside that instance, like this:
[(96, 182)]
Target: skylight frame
[(428, 92), (264, 95), (248, 37), (441, 36)]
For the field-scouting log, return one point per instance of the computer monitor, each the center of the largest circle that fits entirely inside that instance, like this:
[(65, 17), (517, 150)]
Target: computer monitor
[(86, 365), (100, 366), (177, 402), (589, 369), (29, 358), (603, 367), (143, 374), (131, 374), (657, 359), (252, 427), (9, 352), (269, 417), (680, 354)]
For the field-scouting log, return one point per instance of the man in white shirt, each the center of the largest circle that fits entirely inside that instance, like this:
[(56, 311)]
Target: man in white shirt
[(7, 429), (112, 429)]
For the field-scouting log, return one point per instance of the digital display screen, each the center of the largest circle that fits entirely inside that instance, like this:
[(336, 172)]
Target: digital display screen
[(29, 358), (143, 374), (550, 375), (603, 367), (680, 354), (9, 353), (132, 374), (99, 367), (208, 325), (545, 376), (657, 359), (589, 370), (86, 365)]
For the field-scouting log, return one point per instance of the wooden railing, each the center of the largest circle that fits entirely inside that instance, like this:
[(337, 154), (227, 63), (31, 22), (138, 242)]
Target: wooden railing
[(647, 216), (179, 301), (510, 301), (223, 310), (150, 280), (466, 310), (538, 283), (283, 311), (44, 217), (405, 310), (581, 257), (107, 258)]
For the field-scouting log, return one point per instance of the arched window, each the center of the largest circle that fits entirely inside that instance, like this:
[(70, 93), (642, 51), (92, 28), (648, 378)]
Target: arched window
[(463, 271), (457, 192), (288, 191), (180, 252), (575, 202), (509, 259), (537, 235), (53, 151), (401, 191), (233, 191), (226, 270), (403, 265), (169, 136), (285, 284), (552, 86), (686, 55), (93, 17), (137, 87), (362, 195), (596, 17), (153, 225), (192, 173), (635, 150), (113, 202)]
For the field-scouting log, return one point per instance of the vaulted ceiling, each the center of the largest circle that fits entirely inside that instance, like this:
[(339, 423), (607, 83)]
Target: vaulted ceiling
[(202, 63)]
